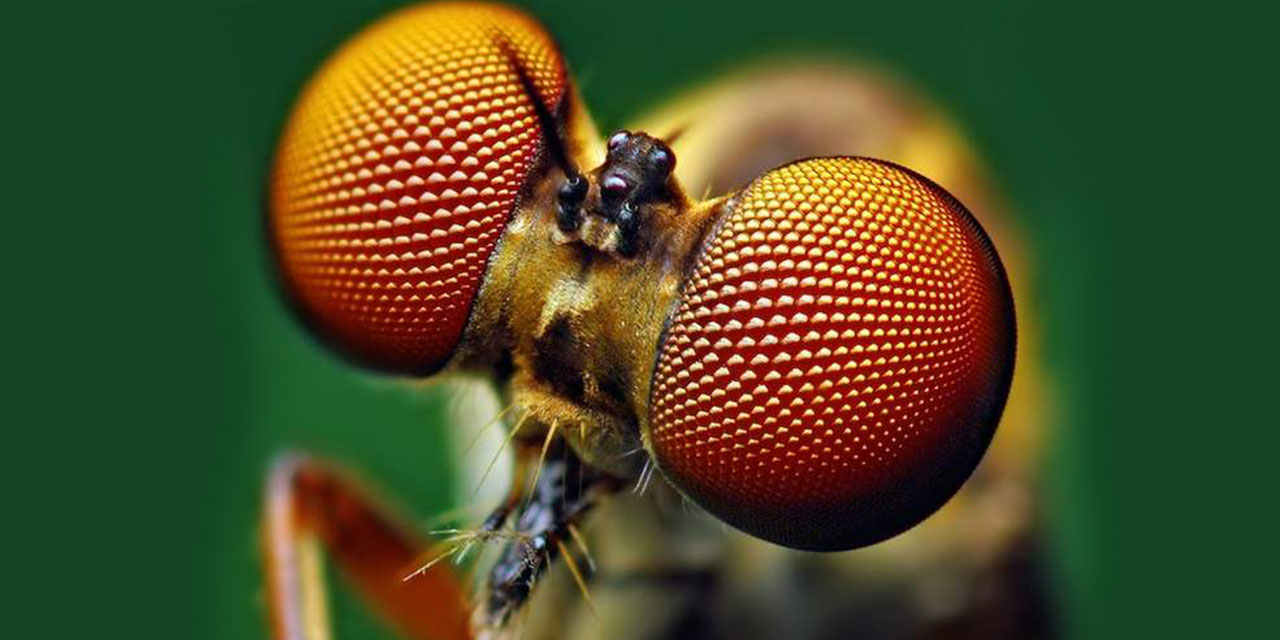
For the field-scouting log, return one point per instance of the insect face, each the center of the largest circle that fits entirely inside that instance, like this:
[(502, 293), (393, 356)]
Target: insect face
[(819, 359), (578, 292)]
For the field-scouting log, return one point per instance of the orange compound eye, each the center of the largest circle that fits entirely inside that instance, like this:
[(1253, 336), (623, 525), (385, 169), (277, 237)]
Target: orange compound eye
[(839, 357), (397, 172)]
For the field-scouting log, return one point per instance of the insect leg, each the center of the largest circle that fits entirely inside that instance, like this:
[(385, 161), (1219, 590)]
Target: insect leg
[(312, 507)]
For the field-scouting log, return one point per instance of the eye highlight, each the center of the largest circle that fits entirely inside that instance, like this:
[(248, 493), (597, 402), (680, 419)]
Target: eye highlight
[(662, 161), (839, 357), (397, 172)]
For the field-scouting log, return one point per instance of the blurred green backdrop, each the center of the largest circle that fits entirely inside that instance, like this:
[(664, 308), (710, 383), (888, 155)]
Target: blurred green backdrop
[(156, 372)]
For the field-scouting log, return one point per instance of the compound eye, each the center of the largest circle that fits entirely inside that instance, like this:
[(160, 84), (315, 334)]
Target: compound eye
[(397, 173), (839, 357)]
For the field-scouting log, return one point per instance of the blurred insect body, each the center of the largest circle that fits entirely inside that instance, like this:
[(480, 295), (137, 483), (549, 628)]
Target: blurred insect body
[(818, 357)]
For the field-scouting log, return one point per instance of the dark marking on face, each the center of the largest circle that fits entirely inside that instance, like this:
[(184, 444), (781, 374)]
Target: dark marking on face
[(557, 361), (613, 384), (505, 365)]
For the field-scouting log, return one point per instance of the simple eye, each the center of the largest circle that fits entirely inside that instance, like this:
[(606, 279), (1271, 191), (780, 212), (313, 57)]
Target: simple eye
[(661, 161), (832, 384), (617, 139), (388, 195)]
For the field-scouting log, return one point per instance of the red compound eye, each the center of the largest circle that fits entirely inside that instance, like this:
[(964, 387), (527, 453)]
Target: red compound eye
[(397, 172), (839, 357)]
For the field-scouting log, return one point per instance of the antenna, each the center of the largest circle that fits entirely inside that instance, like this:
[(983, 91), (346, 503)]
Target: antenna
[(675, 134)]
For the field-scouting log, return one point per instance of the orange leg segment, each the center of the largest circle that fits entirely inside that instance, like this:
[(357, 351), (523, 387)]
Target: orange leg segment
[(312, 507)]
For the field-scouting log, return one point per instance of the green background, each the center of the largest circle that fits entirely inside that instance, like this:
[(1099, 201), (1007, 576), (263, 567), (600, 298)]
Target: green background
[(151, 372)]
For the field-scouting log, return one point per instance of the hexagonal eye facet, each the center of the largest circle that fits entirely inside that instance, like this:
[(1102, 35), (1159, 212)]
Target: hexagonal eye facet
[(396, 174), (839, 357)]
